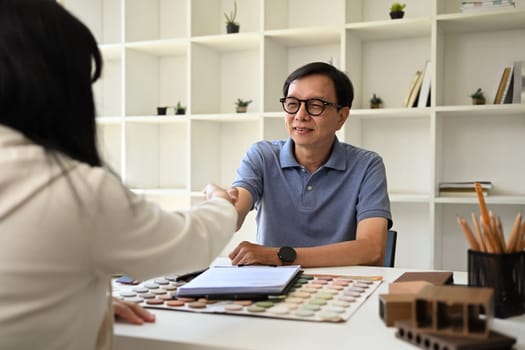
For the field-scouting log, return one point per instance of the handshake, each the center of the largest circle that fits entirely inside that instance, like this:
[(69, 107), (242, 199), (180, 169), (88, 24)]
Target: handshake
[(213, 191)]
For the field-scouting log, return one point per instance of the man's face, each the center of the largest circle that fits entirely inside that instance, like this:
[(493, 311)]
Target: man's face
[(314, 131)]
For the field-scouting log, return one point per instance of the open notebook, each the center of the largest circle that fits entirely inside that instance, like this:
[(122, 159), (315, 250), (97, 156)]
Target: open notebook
[(236, 282)]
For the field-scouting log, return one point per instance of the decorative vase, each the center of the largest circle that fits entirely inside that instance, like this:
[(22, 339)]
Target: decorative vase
[(397, 14), (180, 111), (241, 109), (232, 28)]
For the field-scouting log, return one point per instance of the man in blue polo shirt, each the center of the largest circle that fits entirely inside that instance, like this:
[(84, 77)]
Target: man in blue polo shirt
[(319, 202)]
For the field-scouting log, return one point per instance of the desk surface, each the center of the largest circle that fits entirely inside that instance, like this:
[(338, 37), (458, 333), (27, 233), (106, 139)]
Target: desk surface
[(365, 329)]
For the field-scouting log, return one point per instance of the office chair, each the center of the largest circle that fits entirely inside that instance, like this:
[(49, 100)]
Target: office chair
[(390, 252)]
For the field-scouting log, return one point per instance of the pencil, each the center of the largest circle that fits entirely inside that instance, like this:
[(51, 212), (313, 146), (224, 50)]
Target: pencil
[(480, 234), (497, 230), (512, 244), (485, 221), (468, 233), (521, 244), (482, 205), (492, 245)]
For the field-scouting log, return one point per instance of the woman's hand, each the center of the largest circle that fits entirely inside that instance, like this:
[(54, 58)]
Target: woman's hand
[(131, 312), (214, 191)]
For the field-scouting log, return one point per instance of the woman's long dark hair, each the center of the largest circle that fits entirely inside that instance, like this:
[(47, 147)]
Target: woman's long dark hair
[(48, 62)]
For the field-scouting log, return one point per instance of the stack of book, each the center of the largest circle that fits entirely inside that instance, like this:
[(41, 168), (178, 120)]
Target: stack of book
[(465, 188), (478, 6), (511, 88)]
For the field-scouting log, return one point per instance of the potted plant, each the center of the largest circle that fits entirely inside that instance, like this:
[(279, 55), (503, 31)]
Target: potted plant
[(242, 105), (231, 25), (376, 102), (180, 109), (396, 10), (161, 110), (478, 97)]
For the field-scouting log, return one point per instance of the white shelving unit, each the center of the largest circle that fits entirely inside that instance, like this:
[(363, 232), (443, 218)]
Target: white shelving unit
[(159, 52)]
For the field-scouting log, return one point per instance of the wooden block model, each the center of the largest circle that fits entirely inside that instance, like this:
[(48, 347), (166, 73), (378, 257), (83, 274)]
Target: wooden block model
[(423, 340), (454, 310), (394, 307), (397, 304)]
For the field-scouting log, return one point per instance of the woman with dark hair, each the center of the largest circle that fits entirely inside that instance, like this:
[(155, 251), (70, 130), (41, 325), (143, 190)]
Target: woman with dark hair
[(67, 224)]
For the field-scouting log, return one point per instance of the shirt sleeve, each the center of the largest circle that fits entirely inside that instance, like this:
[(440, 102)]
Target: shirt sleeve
[(136, 237), (373, 195), (250, 173)]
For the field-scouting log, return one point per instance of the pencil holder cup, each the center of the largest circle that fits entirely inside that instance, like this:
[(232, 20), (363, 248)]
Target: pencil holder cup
[(503, 272)]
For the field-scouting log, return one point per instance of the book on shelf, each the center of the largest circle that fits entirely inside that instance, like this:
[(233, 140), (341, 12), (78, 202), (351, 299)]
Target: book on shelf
[(413, 83), (470, 193), (424, 93), (503, 84), (518, 84), (507, 91), (478, 6), (241, 282), (486, 185), (415, 89), (463, 188)]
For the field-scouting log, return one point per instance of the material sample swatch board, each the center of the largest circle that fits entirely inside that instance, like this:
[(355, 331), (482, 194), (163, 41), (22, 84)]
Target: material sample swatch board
[(321, 298)]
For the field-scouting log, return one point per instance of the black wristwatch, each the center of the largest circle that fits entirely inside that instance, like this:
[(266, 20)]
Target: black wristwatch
[(287, 255)]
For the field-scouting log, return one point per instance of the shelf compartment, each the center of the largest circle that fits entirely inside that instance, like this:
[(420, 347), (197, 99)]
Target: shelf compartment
[(157, 155), (408, 167), (491, 51), (155, 19), (207, 16), (369, 66), (153, 79), (287, 14), (102, 17), (219, 78), (217, 148), (379, 10), (470, 147)]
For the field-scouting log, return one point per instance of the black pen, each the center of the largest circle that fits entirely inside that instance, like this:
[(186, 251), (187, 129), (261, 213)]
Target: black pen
[(189, 276)]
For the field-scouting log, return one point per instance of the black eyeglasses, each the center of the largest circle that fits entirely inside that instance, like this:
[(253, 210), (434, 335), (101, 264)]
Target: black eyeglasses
[(314, 106)]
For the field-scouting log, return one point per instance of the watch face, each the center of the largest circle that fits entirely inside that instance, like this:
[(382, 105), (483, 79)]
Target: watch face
[(287, 254)]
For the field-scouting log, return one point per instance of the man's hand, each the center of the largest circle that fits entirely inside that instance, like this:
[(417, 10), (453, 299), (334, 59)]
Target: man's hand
[(131, 312), (247, 253)]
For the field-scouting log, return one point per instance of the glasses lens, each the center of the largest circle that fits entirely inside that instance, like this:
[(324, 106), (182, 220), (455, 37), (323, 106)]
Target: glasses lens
[(314, 107), (291, 105)]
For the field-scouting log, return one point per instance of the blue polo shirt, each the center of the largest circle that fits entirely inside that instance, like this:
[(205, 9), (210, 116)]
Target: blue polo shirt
[(299, 209)]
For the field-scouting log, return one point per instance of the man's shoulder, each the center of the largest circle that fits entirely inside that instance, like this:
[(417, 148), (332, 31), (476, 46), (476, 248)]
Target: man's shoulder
[(359, 152), (268, 147)]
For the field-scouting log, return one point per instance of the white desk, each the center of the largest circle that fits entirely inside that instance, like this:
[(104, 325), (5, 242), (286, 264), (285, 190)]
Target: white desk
[(364, 330)]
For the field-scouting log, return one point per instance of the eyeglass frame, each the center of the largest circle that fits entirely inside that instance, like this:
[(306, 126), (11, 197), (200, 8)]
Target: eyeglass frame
[(324, 103)]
